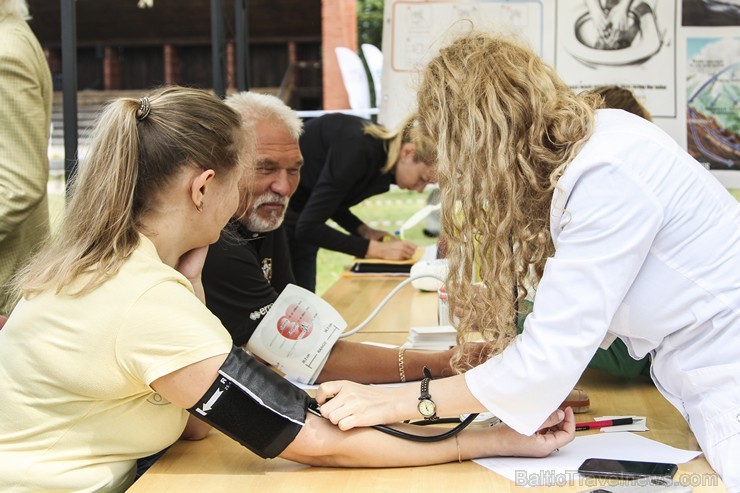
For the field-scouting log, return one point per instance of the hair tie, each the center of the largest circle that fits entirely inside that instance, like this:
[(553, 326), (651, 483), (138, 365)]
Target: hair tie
[(144, 109)]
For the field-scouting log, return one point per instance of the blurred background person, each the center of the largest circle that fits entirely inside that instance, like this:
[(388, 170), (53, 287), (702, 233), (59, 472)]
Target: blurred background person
[(25, 113), (346, 160), (622, 99)]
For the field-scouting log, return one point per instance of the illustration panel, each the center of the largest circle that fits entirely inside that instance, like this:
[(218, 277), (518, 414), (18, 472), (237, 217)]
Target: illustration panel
[(620, 42), (713, 101), (419, 29), (710, 13)]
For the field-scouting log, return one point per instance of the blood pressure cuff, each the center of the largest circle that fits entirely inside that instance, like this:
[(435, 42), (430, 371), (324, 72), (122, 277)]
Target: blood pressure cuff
[(253, 405)]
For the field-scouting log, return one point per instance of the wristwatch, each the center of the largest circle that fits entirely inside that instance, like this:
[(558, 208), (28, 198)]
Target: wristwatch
[(426, 406)]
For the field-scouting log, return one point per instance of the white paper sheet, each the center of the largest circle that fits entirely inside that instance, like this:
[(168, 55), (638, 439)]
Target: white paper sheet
[(561, 466)]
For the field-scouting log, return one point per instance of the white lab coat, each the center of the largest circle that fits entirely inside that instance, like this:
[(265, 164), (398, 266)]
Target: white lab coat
[(648, 250)]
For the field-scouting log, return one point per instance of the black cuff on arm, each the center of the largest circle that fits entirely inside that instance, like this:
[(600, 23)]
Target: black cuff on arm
[(253, 405)]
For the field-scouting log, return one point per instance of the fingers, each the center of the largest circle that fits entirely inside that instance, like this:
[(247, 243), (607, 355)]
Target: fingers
[(569, 422), (560, 420), (408, 249), (553, 420), (191, 262), (338, 411), (399, 250), (566, 431), (559, 429), (327, 390)]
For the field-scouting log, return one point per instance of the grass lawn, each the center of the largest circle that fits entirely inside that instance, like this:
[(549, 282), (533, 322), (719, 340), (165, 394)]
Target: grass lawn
[(386, 212)]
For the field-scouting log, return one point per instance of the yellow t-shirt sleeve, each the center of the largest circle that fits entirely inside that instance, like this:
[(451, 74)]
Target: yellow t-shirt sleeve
[(165, 329)]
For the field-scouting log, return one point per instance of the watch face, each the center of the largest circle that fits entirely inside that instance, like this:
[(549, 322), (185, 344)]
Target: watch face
[(427, 408)]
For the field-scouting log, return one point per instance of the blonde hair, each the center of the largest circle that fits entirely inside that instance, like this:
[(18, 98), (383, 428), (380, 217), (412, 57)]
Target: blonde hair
[(506, 126), (255, 107), (407, 132), (130, 161), (622, 99), (14, 8)]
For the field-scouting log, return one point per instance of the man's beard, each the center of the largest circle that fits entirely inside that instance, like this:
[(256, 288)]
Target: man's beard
[(260, 224)]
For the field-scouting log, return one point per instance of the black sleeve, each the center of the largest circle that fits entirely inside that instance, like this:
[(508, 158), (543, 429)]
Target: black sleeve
[(347, 164), (236, 289)]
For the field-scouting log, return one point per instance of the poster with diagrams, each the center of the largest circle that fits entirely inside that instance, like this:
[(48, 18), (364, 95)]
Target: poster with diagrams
[(624, 42), (415, 30), (713, 101), (419, 29)]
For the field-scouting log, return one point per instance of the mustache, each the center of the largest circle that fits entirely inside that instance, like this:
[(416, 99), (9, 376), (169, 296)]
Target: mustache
[(271, 198)]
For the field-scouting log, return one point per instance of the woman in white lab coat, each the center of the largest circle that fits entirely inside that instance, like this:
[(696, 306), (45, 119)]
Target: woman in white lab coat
[(628, 236)]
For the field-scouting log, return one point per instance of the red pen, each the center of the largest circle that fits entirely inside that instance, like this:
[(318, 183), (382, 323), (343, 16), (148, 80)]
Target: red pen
[(590, 425)]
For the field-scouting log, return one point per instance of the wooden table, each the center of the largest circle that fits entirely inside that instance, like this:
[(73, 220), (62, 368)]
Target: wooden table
[(217, 463)]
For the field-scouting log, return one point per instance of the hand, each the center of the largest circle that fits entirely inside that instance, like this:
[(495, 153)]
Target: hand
[(391, 250), (557, 430), (460, 308), (599, 18), (618, 19), (442, 246), (191, 263), (474, 353), (349, 405), (619, 15)]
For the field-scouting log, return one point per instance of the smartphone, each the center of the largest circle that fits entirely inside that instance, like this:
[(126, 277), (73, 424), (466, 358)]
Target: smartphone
[(645, 485), (626, 469)]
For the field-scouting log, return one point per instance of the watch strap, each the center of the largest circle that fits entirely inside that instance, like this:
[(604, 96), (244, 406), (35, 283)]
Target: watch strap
[(424, 389), (424, 394)]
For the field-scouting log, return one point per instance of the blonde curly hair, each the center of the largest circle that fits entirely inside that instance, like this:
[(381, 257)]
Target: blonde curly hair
[(506, 126)]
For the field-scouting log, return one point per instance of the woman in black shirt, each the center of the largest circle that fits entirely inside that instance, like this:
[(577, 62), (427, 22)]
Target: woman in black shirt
[(346, 160)]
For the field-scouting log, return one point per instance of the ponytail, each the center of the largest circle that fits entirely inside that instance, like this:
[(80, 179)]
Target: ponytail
[(133, 155)]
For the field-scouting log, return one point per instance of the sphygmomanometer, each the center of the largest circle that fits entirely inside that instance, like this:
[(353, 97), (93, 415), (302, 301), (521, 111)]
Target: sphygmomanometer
[(264, 412), (299, 331), (252, 404)]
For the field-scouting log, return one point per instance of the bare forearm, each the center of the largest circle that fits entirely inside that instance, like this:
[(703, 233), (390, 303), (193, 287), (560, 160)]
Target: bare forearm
[(322, 444), (365, 363)]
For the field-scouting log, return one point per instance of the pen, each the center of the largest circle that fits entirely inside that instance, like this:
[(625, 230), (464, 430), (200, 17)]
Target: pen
[(590, 425), (390, 237)]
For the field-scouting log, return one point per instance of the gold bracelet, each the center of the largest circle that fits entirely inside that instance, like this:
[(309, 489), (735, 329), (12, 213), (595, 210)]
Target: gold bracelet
[(457, 444), (401, 369)]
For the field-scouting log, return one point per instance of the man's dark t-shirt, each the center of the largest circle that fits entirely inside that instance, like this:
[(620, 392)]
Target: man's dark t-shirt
[(243, 276)]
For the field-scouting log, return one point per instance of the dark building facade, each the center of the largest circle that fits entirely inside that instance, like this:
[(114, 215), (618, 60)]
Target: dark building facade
[(124, 47)]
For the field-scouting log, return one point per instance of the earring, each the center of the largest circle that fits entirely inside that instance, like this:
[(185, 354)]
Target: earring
[(199, 207)]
